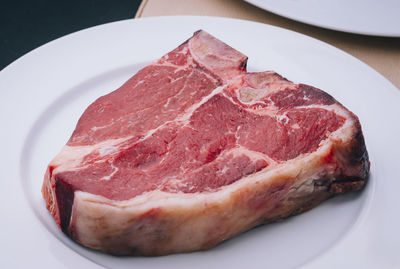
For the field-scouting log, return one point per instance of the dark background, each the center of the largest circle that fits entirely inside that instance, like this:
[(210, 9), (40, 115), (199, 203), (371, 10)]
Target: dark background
[(26, 25)]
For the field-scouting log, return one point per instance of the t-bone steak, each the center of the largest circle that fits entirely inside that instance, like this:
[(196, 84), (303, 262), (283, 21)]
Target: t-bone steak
[(193, 150)]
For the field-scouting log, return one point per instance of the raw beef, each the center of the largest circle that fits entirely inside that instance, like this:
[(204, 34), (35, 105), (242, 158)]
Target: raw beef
[(193, 150)]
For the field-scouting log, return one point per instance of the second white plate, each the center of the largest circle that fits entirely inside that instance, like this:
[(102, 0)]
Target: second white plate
[(368, 17)]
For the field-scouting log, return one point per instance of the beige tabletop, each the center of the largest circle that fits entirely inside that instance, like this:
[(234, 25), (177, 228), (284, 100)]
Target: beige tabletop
[(381, 53)]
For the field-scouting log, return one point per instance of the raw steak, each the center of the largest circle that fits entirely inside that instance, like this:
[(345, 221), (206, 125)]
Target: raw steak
[(193, 150)]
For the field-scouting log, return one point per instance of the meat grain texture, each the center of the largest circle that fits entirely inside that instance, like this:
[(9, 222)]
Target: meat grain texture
[(193, 150)]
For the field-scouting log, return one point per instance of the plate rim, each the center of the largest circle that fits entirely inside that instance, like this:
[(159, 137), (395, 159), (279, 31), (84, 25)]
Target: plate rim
[(7, 68)]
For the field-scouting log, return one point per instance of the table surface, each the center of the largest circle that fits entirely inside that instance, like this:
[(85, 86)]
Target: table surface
[(381, 53), (26, 25)]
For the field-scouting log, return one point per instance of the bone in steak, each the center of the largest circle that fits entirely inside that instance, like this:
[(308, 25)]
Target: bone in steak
[(193, 150)]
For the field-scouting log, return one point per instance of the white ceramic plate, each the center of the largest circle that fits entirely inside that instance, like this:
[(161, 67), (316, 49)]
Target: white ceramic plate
[(43, 94), (368, 17)]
